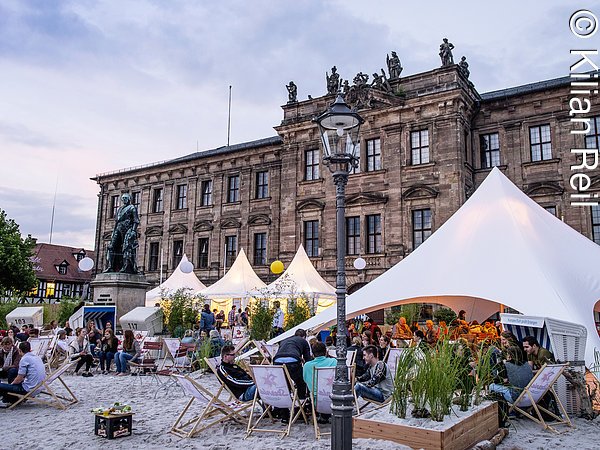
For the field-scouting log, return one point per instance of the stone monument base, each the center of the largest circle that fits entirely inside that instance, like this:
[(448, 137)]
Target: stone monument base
[(124, 290)]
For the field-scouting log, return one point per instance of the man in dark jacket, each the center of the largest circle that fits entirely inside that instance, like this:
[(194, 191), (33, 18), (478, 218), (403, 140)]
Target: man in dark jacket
[(292, 352), (237, 379)]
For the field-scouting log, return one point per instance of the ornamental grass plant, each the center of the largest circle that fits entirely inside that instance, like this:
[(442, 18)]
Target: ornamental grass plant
[(405, 371)]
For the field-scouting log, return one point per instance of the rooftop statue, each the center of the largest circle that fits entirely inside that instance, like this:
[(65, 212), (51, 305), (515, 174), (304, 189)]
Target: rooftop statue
[(446, 53), (292, 92), (333, 81), (464, 66), (394, 66), (122, 250)]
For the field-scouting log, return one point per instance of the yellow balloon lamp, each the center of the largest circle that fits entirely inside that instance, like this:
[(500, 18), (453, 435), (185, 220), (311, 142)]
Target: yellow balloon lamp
[(277, 267)]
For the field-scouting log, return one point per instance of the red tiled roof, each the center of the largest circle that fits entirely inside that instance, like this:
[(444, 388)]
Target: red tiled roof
[(48, 256)]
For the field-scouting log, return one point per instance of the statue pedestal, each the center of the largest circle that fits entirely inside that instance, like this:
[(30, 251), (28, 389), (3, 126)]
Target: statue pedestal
[(124, 290)]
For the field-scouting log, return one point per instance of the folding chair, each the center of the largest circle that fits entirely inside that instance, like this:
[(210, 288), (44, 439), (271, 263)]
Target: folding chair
[(321, 392), (266, 351), (44, 388), (147, 362), (214, 410), (273, 387), (213, 364), (540, 384), (39, 346)]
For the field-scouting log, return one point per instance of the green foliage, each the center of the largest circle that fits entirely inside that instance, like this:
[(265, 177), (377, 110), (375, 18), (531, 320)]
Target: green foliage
[(298, 311), (483, 370), (50, 313), (181, 310), (65, 309), (445, 314), (410, 312), (16, 267), (262, 320), (441, 373), (404, 375), (5, 309), (204, 350)]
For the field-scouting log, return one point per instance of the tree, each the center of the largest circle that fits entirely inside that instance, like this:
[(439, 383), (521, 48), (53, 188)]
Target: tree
[(16, 267)]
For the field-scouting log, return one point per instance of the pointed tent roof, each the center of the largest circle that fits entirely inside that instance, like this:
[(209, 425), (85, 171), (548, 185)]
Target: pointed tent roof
[(177, 280), (499, 247), (239, 281), (304, 276)]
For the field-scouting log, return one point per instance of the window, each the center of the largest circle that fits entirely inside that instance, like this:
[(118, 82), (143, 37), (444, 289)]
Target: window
[(596, 224), (540, 141), (592, 139), (153, 257), (551, 209), (490, 150), (373, 155), (157, 201), (136, 199), (230, 250), (421, 224), (78, 291), (374, 233), (311, 165), (79, 256), (177, 252), (114, 206), (262, 184), (203, 253), (206, 198), (233, 189), (260, 249), (62, 269), (353, 170), (352, 235), (182, 196), (311, 237), (66, 290), (419, 147)]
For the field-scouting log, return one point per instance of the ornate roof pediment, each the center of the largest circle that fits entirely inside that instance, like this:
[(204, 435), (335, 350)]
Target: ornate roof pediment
[(366, 198), (230, 223), (419, 191), (259, 219), (544, 188), (203, 225), (154, 231), (178, 228), (311, 203)]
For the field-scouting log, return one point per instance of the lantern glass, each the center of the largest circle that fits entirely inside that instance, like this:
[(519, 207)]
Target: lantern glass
[(339, 127)]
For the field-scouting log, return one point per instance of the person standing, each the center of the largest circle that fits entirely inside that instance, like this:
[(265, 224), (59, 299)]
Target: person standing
[(31, 373), (278, 318), (207, 319), (231, 317), (220, 318)]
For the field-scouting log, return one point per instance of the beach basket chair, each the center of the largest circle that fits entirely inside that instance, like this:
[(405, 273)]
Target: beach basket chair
[(48, 388), (527, 403), (273, 388), (213, 409), (321, 395)]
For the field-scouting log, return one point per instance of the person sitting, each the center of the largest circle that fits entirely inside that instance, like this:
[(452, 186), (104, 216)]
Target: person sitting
[(94, 336), (374, 329), (537, 356), (365, 338), (216, 343), (385, 344), (131, 352), (188, 337), (9, 359), (319, 351), (31, 373), (376, 384), (34, 333), (419, 340), (508, 340), (80, 352), (23, 335), (239, 382), (61, 350), (358, 359), (108, 349), (401, 330), (329, 345), (518, 375), (431, 334), (68, 328), (220, 317), (443, 329)]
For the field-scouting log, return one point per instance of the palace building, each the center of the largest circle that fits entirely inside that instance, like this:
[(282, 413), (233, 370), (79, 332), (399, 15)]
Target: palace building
[(428, 141)]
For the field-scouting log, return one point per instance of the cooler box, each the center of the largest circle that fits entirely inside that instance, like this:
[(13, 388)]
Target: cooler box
[(26, 315), (143, 318)]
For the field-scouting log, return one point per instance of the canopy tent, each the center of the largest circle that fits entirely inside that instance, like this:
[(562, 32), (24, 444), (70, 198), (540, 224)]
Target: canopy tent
[(236, 287), (301, 277), (177, 280), (500, 247)]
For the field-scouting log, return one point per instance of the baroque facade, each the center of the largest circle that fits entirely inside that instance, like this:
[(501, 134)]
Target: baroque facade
[(427, 143)]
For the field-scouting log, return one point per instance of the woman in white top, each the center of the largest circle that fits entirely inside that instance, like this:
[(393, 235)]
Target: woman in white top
[(80, 352)]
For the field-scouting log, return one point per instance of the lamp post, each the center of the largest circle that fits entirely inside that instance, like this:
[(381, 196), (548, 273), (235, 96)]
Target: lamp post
[(339, 127)]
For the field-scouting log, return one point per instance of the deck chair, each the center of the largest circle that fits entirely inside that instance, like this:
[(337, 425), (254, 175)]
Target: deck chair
[(273, 387), (214, 410), (527, 402), (266, 351), (213, 364), (321, 395), (45, 388), (392, 360), (171, 345), (39, 346)]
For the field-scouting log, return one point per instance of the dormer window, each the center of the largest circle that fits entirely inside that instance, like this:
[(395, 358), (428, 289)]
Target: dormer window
[(62, 268), (79, 256)]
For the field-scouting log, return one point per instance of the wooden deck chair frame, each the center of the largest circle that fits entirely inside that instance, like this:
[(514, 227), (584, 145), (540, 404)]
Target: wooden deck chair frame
[(240, 345), (545, 383), (44, 388), (295, 403), (265, 351), (320, 372), (213, 412), (213, 365)]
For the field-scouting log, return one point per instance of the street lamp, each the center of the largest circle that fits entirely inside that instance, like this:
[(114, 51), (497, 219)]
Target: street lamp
[(339, 127)]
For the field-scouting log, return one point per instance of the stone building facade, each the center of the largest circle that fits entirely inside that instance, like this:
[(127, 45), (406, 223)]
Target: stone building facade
[(426, 145)]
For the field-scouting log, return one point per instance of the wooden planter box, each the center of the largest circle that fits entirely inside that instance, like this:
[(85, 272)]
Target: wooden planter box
[(483, 424)]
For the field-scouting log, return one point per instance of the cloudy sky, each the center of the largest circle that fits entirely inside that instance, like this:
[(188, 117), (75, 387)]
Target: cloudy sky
[(94, 86)]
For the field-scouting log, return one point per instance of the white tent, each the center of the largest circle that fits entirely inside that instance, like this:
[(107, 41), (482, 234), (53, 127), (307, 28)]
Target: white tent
[(177, 280), (302, 277), (237, 285), (500, 247)]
